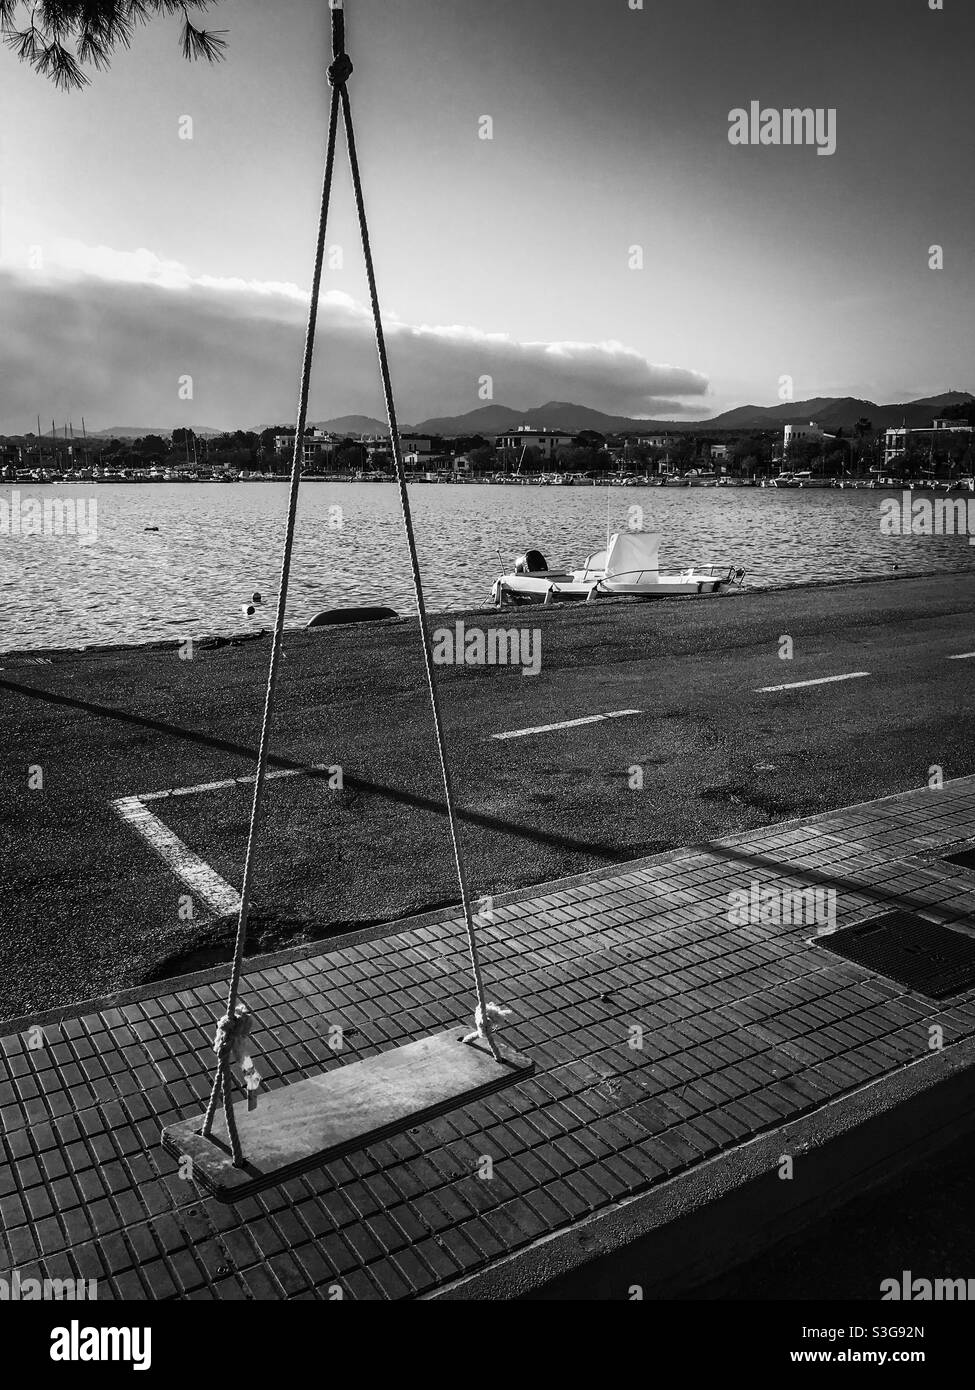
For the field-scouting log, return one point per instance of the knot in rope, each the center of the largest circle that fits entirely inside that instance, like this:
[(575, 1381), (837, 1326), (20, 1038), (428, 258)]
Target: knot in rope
[(232, 1034), (494, 1011), (340, 71)]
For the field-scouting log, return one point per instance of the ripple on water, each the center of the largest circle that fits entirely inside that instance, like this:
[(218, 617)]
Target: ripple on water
[(217, 545)]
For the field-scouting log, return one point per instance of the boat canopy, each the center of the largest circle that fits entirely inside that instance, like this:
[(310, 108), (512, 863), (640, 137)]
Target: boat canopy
[(631, 553)]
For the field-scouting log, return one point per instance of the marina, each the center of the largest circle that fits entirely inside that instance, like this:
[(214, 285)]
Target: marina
[(874, 480)]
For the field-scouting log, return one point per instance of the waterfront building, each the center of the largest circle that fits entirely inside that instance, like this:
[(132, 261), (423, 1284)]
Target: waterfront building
[(900, 438), (416, 450), (315, 446), (655, 441), (802, 434), (546, 442)]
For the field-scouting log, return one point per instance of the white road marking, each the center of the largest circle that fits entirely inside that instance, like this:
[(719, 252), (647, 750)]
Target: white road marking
[(962, 656), (205, 883), (822, 680), (231, 782), (568, 723)]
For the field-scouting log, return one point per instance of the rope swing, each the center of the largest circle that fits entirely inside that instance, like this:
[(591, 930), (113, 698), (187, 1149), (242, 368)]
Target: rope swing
[(233, 1029)]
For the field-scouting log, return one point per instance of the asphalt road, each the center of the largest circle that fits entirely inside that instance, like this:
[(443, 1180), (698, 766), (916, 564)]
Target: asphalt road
[(89, 907)]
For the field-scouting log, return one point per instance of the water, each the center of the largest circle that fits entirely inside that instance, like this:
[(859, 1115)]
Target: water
[(217, 544)]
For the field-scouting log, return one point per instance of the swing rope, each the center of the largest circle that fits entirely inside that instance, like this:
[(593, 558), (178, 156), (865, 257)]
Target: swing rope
[(484, 1009), (233, 1029)]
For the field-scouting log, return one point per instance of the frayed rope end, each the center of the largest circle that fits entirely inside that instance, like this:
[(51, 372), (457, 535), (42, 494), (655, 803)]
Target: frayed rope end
[(495, 1011)]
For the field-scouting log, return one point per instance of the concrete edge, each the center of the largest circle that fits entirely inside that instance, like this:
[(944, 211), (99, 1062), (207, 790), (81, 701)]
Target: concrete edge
[(733, 1207), (27, 655)]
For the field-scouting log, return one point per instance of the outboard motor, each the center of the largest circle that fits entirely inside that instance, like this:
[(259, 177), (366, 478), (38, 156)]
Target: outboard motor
[(532, 562)]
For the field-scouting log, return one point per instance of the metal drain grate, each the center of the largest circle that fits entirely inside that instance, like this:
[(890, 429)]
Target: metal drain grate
[(965, 858), (918, 954)]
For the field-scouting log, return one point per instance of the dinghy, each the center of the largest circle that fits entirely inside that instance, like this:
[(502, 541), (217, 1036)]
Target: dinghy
[(629, 566)]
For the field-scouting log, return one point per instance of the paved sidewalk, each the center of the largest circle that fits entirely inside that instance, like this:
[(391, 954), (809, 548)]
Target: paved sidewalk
[(746, 1029)]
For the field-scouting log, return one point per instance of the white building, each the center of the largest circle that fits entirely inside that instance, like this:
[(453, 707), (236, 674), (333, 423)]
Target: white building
[(546, 442), (801, 434)]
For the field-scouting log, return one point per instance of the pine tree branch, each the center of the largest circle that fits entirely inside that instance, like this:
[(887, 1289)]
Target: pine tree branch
[(97, 29)]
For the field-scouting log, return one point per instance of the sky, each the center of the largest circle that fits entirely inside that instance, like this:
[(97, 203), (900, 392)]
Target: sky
[(608, 245)]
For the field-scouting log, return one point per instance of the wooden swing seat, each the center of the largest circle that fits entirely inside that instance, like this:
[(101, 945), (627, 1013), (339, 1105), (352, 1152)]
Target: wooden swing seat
[(308, 1123)]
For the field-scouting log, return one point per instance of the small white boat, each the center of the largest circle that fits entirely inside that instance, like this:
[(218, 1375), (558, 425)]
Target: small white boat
[(628, 567), (805, 479)]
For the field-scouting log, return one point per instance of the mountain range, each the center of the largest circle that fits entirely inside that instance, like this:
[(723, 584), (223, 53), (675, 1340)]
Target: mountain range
[(140, 432), (831, 412), (834, 412)]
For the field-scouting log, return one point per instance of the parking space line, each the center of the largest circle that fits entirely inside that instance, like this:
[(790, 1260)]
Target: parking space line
[(232, 782), (203, 881), (822, 680), (568, 724)]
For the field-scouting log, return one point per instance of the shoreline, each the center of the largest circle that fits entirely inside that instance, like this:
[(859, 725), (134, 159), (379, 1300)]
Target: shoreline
[(769, 483), (238, 638)]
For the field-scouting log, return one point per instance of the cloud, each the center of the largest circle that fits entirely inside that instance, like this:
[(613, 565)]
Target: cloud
[(113, 335)]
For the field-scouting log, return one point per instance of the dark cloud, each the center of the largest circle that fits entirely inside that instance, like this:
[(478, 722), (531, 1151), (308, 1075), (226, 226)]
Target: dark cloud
[(115, 351)]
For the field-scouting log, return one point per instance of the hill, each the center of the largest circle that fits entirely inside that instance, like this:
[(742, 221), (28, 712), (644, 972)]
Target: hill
[(140, 431), (555, 415), (836, 412), (828, 411), (488, 419), (352, 424)]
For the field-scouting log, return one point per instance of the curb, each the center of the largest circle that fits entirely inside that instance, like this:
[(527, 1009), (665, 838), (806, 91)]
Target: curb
[(734, 1207)]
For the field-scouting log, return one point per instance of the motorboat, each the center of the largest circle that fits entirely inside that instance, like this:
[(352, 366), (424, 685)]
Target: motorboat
[(629, 566), (806, 479)]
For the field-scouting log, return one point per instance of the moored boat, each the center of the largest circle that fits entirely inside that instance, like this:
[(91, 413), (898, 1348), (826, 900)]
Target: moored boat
[(628, 567)]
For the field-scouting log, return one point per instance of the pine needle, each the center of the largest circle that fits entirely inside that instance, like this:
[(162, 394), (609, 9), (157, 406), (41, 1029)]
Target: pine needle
[(97, 29)]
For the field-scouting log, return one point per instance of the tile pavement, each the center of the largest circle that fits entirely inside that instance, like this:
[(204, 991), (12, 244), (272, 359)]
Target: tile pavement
[(745, 1028)]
